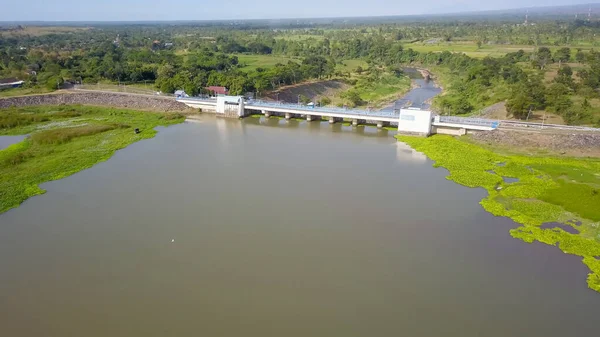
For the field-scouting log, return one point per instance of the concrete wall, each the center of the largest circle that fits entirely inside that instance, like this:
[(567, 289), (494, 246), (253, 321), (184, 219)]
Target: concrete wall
[(99, 99), (444, 130), (415, 122)]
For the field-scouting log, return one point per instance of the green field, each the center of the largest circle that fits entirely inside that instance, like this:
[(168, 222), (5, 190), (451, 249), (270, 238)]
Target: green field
[(548, 190), (251, 62), (471, 49), (300, 37), (64, 140), (382, 90), (349, 66)]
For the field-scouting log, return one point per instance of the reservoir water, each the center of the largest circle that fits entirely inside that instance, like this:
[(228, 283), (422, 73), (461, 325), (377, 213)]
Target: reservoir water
[(6, 141), (277, 228)]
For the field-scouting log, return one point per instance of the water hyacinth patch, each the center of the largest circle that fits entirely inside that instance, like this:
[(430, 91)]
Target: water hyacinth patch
[(549, 189)]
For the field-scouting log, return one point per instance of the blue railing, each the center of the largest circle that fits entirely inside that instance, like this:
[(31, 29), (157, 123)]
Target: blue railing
[(199, 99), (470, 121), (364, 113)]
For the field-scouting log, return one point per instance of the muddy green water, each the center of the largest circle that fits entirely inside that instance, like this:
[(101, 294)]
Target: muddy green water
[(281, 229)]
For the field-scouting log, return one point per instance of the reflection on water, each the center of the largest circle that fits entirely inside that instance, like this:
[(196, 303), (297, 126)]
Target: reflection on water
[(406, 153), (280, 229)]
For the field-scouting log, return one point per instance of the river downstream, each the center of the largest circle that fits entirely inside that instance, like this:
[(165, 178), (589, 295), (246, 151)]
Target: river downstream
[(423, 90), (277, 228)]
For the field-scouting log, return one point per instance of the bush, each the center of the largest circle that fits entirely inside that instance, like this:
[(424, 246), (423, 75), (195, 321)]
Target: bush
[(12, 120), (59, 136), (303, 99), (54, 82), (325, 101)]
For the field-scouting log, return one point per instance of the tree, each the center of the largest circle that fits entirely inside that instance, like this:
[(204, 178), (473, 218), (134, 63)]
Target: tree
[(556, 91), (519, 105), (580, 56), (580, 114), (166, 70), (54, 82), (316, 66), (562, 55), (325, 101), (353, 97), (303, 99), (562, 105), (565, 76), (541, 57)]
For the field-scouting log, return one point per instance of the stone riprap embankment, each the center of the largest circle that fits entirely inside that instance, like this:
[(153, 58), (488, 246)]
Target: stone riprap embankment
[(572, 144), (136, 102)]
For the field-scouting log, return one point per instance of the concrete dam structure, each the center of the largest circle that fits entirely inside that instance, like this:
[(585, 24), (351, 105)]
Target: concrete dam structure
[(408, 120)]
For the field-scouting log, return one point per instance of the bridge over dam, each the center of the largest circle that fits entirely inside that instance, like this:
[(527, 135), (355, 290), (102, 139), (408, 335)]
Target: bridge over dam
[(409, 120), (237, 106)]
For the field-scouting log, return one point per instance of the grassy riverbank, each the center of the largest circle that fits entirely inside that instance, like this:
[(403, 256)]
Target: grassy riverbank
[(564, 191), (65, 140)]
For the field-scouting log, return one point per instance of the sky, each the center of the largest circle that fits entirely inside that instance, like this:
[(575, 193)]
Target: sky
[(141, 10)]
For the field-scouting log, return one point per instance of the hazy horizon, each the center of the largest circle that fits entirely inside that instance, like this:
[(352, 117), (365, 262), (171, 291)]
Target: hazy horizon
[(188, 10)]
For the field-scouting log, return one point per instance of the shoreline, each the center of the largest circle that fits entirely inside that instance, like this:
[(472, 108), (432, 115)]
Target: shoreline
[(540, 199), (57, 152)]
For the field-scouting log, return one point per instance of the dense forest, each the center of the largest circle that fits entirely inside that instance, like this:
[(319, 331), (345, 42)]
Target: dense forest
[(544, 66)]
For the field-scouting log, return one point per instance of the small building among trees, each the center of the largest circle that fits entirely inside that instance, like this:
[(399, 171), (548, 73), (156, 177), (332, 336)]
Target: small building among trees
[(215, 90)]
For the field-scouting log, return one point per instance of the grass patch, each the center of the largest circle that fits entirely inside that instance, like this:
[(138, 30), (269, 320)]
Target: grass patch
[(349, 66), (60, 136), (563, 190), (251, 62), (23, 91), (56, 149), (12, 118), (376, 91), (578, 198)]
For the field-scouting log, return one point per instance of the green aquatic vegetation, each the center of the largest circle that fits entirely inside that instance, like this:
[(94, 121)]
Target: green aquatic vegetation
[(593, 279), (59, 136), (577, 198), (549, 189), (58, 150)]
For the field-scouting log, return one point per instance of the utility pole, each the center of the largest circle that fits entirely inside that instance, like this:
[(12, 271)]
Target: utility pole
[(544, 119)]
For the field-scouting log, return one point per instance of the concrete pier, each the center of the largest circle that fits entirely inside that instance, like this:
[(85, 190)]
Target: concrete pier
[(288, 116), (310, 118), (355, 122), (335, 119), (381, 124), (266, 113)]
